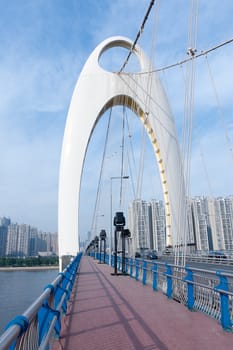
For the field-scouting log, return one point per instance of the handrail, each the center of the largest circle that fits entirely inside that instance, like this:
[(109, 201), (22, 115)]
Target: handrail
[(14, 330), (17, 330)]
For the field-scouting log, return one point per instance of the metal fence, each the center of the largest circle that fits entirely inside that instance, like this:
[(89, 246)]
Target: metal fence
[(37, 327), (203, 290)]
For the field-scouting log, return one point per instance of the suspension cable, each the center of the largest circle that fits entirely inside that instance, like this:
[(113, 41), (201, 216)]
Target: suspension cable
[(202, 53), (141, 165), (130, 148), (122, 155), (94, 218), (138, 36), (147, 104), (187, 134)]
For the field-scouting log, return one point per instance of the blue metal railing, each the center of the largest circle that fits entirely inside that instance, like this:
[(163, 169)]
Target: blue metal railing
[(37, 326), (203, 290)]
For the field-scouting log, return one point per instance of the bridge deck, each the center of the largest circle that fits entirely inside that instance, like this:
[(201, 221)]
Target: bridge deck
[(116, 312)]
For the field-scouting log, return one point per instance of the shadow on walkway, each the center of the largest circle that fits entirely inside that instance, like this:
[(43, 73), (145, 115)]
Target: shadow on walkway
[(116, 312)]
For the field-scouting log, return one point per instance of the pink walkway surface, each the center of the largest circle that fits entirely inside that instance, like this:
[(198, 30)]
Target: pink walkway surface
[(116, 312)]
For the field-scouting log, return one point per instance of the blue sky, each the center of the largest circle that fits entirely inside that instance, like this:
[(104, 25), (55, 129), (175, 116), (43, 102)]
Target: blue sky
[(45, 43)]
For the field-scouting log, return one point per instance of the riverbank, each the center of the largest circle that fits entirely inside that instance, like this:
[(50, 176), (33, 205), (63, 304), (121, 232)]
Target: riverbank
[(29, 268)]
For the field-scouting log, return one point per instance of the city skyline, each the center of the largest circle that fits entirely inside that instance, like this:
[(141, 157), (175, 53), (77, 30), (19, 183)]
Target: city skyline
[(38, 73), (209, 227), (23, 240)]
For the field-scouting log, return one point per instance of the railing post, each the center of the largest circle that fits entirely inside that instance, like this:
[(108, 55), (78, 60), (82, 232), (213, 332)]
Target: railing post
[(224, 299), (119, 263), (136, 269), (126, 265), (168, 273), (144, 272), (190, 288), (155, 276), (131, 267)]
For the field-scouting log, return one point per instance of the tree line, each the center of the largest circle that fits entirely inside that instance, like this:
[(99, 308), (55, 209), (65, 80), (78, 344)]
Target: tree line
[(29, 261)]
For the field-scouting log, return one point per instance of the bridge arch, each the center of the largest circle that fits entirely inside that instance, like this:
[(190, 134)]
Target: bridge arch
[(96, 91)]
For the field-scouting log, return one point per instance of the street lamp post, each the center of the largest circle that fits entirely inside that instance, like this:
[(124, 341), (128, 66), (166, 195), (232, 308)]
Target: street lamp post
[(103, 241), (111, 218)]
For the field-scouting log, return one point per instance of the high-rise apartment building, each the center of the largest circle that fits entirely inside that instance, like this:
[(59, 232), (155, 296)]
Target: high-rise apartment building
[(12, 240), (158, 225), (23, 240), (3, 240), (226, 210), (54, 243), (139, 217), (33, 242), (198, 223), (4, 223), (214, 222), (209, 224)]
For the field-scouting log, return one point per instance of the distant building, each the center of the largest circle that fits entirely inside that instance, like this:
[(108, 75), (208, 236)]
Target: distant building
[(23, 240), (226, 209), (158, 224), (214, 222), (139, 216), (4, 223), (199, 224), (209, 227), (33, 242), (209, 224), (12, 240), (54, 243), (3, 240)]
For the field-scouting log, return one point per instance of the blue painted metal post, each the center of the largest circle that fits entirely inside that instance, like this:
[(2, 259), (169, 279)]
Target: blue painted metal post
[(190, 289), (224, 298), (119, 263), (155, 276), (131, 267), (168, 273), (144, 272), (126, 265), (137, 269)]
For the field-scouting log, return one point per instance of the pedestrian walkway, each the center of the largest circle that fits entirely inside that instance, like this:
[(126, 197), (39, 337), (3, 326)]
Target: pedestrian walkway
[(118, 313)]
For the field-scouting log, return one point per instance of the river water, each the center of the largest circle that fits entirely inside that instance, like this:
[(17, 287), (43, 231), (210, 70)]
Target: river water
[(18, 289)]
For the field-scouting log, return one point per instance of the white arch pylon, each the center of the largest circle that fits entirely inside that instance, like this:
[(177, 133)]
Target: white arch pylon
[(95, 92)]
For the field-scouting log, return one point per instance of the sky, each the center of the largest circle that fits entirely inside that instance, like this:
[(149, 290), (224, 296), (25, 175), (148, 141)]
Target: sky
[(44, 45)]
